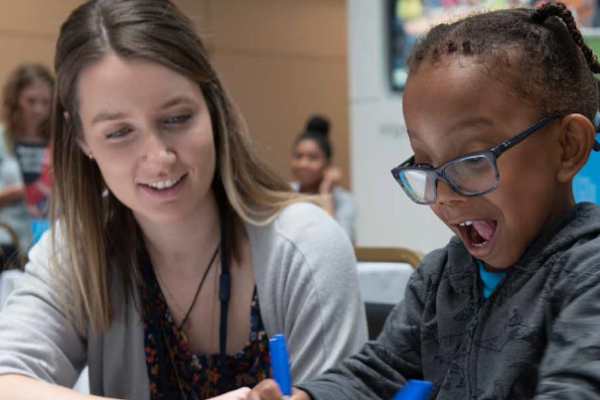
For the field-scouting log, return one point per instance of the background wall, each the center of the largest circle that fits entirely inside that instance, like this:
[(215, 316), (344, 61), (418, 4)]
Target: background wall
[(28, 31), (379, 141), (282, 60)]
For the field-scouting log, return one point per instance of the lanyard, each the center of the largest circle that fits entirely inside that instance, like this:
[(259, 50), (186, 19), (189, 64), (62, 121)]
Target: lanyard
[(165, 357), (224, 296)]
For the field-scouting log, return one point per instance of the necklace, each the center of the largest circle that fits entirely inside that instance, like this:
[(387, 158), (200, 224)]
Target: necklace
[(209, 357), (206, 271), (163, 286)]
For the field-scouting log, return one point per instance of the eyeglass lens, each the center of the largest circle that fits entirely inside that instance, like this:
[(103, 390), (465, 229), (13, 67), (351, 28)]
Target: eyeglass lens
[(470, 176)]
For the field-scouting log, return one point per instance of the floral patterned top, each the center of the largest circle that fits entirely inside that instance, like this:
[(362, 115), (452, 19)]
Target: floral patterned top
[(198, 377)]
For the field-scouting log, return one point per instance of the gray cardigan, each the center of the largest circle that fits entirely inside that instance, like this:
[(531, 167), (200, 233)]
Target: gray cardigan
[(307, 283), (536, 336), (344, 207)]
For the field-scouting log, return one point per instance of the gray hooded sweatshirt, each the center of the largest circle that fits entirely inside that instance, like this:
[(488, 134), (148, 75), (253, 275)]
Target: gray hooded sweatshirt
[(537, 336)]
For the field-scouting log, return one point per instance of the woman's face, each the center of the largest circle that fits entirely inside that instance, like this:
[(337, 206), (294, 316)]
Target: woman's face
[(35, 101), (308, 163), (149, 130)]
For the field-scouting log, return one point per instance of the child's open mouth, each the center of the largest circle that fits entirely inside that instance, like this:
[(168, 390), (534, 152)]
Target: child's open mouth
[(477, 234)]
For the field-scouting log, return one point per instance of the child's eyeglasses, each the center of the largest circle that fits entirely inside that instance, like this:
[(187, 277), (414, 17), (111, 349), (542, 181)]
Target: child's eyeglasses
[(471, 175)]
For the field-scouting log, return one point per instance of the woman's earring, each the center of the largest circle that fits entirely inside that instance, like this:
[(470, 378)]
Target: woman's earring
[(91, 156)]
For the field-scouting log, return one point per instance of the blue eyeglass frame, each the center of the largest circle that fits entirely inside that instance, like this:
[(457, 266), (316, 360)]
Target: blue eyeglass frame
[(492, 155)]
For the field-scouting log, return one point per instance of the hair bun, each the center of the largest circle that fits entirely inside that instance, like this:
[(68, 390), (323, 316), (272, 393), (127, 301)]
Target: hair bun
[(318, 124)]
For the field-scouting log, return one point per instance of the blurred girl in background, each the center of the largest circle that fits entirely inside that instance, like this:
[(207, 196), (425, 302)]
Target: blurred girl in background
[(26, 103), (314, 174), (26, 110)]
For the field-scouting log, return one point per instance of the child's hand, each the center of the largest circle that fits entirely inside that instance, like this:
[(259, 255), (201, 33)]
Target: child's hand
[(240, 394), (269, 390)]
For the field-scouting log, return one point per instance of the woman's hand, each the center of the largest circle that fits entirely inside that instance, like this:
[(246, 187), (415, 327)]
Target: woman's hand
[(269, 390), (240, 394), (332, 176)]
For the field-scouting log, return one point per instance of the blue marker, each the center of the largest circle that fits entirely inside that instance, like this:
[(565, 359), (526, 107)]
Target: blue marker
[(280, 365), (414, 390)]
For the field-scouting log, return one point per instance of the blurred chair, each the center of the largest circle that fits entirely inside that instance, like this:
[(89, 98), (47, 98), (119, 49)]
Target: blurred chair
[(389, 255), (383, 274), (18, 260), (10, 270)]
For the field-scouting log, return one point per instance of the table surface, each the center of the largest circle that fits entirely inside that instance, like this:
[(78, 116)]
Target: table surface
[(383, 282)]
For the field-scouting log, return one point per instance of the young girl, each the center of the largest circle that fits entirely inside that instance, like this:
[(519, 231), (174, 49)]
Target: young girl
[(311, 165), (499, 109), (27, 106), (175, 253)]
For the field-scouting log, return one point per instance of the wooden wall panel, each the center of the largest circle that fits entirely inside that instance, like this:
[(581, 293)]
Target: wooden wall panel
[(198, 11), (18, 49), (35, 16), (315, 28), (284, 60), (46, 16), (29, 29), (277, 95)]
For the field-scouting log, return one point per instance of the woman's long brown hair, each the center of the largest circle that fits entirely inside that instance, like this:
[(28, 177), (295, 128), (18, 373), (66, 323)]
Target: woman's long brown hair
[(95, 237)]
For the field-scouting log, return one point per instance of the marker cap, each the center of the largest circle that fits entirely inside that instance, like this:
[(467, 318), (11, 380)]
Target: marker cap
[(414, 390), (280, 363)]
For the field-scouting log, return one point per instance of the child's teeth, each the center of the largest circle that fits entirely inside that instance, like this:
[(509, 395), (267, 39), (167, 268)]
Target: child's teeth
[(467, 223)]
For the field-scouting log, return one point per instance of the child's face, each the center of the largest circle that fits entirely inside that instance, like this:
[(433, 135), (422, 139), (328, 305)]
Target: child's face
[(455, 110)]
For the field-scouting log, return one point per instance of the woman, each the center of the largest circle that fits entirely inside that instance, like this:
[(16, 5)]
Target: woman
[(175, 253), (26, 108), (26, 104), (311, 165)]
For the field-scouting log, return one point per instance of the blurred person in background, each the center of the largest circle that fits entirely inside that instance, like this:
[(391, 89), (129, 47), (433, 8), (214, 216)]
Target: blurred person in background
[(13, 212), (314, 174), (27, 101)]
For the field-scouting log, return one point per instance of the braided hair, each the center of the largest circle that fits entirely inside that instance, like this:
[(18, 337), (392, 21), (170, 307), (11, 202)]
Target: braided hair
[(539, 52), (317, 130)]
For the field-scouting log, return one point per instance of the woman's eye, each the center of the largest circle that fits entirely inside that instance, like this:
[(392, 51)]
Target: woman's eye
[(118, 134), (178, 119)]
